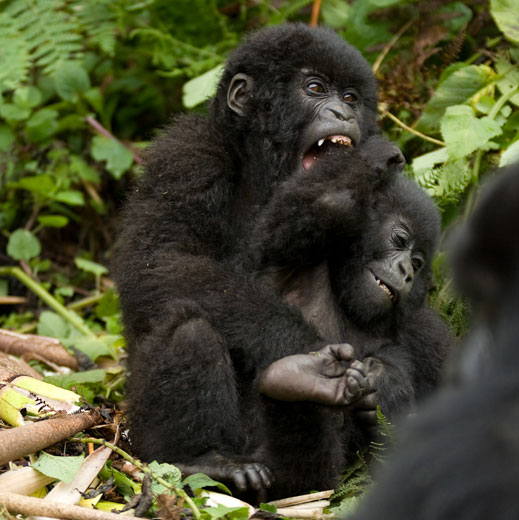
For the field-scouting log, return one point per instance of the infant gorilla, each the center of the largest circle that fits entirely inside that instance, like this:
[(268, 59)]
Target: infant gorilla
[(367, 237)]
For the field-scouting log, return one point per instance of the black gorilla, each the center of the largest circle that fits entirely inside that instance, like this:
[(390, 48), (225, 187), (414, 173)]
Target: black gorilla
[(359, 270), (459, 459), (200, 325)]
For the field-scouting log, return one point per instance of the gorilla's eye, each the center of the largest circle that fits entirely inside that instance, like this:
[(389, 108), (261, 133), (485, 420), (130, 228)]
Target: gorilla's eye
[(350, 97), (418, 262), (315, 87), (399, 240)]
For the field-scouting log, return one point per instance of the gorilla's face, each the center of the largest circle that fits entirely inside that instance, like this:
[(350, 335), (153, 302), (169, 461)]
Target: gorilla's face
[(383, 275)]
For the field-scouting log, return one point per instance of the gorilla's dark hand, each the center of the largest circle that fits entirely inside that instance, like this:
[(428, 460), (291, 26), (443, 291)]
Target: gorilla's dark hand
[(384, 156), (327, 376), (366, 406)]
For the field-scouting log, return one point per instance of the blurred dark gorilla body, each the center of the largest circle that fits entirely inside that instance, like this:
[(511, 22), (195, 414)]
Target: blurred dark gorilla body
[(201, 324), (459, 459)]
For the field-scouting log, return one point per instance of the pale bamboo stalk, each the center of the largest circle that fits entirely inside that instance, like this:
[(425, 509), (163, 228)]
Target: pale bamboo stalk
[(18, 504), (302, 499), (23, 481)]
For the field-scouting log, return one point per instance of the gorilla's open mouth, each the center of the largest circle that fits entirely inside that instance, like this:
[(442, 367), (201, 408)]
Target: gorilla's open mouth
[(320, 147), (390, 292)]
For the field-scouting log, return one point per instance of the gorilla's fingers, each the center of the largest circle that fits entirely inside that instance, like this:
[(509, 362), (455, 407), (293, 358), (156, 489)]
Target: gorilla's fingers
[(238, 477), (253, 477), (341, 351)]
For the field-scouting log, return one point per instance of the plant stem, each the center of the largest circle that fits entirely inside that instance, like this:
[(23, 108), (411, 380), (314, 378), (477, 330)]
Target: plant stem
[(47, 298), (142, 467), (385, 113)]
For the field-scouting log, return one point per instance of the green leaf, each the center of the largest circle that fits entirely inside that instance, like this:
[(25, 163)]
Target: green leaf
[(42, 185), (71, 80), (90, 267), (13, 112), (458, 88), (55, 221), (108, 305), (510, 79), (70, 197), (83, 170), (510, 155), (197, 90), (505, 15), (95, 98), (93, 348), (429, 160), (6, 138), (118, 158), (42, 125), (201, 481), (52, 325), (464, 133), (23, 245), (168, 472), (62, 468), (77, 378), (234, 513), (27, 97)]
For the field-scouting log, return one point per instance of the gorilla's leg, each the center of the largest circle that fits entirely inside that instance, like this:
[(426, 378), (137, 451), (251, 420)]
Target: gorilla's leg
[(196, 412)]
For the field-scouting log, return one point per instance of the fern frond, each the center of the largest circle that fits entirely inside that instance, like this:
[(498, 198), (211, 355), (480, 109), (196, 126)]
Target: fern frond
[(14, 55), (50, 32), (448, 182), (97, 19)]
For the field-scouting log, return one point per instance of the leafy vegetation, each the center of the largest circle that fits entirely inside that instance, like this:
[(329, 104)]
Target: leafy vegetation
[(84, 84)]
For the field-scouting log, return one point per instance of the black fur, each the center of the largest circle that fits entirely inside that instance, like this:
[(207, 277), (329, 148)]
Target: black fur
[(200, 324), (459, 459)]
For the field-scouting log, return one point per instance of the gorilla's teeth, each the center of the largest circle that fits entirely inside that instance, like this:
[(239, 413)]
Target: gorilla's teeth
[(320, 143)]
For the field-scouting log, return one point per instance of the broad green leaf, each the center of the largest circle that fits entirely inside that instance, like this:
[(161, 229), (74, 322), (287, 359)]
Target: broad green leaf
[(6, 138), (71, 80), (90, 267), (233, 513), (95, 98), (108, 305), (62, 468), (23, 245), (197, 90), (52, 325), (457, 89), (429, 160), (201, 481), (13, 112), (55, 221), (70, 197), (93, 348), (510, 78), (510, 155), (42, 125), (42, 185), (464, 133), (83, 170), (27, 97), (77, 378), (118, 158), (168, 472), (506, 16)]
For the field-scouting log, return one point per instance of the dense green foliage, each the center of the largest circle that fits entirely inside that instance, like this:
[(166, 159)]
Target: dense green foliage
[(84, 84)]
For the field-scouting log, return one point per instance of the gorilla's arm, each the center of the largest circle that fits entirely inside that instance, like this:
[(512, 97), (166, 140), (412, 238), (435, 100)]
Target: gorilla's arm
[(328, 376), (312, 211)]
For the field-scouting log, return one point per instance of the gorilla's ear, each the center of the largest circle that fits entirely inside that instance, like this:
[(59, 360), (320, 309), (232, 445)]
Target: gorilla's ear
[(240, 89)]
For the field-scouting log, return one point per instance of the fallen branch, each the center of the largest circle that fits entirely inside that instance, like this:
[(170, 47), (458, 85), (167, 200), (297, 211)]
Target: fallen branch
[(302, 499), (70, 492), (49, 348), (300, 512), (19, 504), (11, 367), (23, 440)]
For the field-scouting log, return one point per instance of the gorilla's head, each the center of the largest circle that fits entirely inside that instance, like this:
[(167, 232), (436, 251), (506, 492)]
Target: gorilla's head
[(289, 92)]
